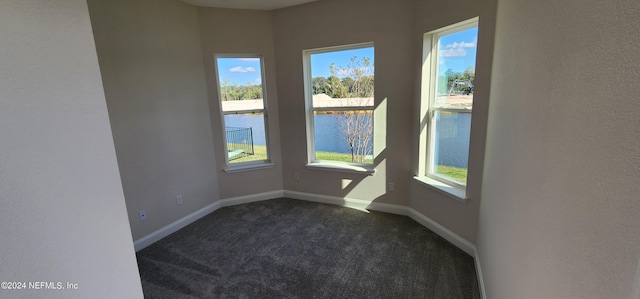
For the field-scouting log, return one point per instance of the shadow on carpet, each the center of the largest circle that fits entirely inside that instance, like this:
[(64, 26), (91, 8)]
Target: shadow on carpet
[(286, 248)]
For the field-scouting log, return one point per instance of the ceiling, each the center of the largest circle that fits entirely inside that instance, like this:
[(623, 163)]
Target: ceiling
[(248, 4)]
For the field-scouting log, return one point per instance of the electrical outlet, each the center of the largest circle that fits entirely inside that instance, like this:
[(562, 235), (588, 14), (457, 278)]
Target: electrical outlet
[(392, 187), (179, 199), (296, 176), (143, 215)]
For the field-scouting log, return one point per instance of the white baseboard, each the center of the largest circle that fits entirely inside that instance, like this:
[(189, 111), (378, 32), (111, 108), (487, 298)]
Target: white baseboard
[(251, 198), (476, 257), (442, 231), (166, 230), (389, 208), (364, 205), (357, 204)]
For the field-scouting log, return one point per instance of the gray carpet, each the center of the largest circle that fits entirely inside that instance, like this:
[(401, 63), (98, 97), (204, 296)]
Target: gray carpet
[(285, 248)]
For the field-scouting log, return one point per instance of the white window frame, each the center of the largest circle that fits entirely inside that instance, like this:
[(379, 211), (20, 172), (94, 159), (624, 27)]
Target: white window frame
[(248, 165), (426, 169), (313, 163)]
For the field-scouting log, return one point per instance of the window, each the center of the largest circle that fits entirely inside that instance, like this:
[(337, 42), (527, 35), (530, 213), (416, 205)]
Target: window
[(241, 92), (339, 87), (448, 75)]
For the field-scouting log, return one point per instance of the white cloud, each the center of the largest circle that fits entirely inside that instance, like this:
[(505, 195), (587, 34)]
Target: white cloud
[(239, 69), (258, 80), (457, 49)]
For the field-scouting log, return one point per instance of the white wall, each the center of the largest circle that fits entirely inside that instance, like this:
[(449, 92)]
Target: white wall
[(168, 138), (458, 217), (335, 23), (560, 209), (63, 216), (251, 33), (150, 56), (396, 28)]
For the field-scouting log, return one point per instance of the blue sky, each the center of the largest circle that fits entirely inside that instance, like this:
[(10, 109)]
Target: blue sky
[(240, 70), (320, 62), (458, 50)]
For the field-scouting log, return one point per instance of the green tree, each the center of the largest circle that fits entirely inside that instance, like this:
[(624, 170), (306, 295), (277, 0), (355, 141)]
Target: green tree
[(235, 92), (469, 74), (334, 87), (348, 84), (319, 85), (451, 76), (224, 89)]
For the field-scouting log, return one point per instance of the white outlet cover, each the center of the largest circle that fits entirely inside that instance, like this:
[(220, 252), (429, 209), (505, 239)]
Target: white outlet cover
[(179, 199)]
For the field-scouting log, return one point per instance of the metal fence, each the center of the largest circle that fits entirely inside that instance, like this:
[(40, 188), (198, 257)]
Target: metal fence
[(239, 142)]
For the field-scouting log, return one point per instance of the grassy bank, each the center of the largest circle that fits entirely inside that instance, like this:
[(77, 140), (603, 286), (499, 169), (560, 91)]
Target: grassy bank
[(260, 153), (455, 173), (331, 156)]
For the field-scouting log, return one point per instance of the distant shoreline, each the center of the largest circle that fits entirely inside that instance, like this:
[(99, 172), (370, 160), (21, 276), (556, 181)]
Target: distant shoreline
[(322, 100), (319, 101)]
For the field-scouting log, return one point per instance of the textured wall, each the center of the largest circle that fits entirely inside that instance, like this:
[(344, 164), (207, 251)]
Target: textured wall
[(251, 33), (396, 28), (559, 214), (334, 23), (458, 217), (150, 57), (63, 216)]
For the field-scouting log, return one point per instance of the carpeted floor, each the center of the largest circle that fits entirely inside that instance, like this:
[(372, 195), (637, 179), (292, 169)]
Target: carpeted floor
[(286, 248)]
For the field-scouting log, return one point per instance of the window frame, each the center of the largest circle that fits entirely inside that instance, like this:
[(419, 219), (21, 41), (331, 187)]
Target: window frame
[(428, 110), (312, 162), (247, 165)]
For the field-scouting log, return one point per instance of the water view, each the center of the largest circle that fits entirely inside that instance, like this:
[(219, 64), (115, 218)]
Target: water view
[(453, 143)]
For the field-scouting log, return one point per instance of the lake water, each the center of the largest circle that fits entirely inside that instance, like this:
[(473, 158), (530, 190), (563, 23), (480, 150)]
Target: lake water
[(452, 144)]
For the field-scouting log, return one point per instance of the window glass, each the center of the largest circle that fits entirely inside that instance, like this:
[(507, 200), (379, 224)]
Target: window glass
[(456, 65), (451, 145), (450, 102), (341, 105), (243, 106)]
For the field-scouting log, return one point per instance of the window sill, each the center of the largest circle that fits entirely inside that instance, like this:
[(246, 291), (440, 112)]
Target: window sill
[(339, 167), (248, 167), (451, 191)]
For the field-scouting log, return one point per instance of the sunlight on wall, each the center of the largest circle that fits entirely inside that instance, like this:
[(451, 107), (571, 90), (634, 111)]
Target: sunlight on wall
[(373, 187), (346, 183), (380, 130)]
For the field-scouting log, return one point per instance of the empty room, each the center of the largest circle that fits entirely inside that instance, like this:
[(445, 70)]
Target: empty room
[(318, 149)]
